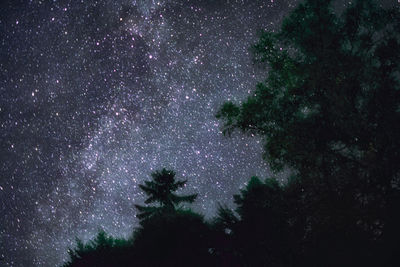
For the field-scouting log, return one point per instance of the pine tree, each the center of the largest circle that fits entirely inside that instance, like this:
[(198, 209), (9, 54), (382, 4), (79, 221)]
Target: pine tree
[(161, 190)]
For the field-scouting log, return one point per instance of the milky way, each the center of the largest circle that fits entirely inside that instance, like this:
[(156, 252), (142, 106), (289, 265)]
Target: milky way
[(95, 95)]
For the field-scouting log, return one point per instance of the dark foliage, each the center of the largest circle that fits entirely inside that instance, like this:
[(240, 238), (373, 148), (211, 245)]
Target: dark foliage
[(102, 251), (258, 234), (329, 111), (161, 189)]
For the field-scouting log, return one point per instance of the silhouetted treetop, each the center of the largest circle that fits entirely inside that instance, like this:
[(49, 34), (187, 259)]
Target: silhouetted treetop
[(161, 190), (103, 250)]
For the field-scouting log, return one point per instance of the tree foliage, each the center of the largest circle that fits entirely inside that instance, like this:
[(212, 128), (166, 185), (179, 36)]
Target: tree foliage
[(103, 250), (331, 99), (329, 111), (161, 190), (260, 236)]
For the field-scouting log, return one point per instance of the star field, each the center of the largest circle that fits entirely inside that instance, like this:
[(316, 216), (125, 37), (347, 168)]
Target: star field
[(95, 95)]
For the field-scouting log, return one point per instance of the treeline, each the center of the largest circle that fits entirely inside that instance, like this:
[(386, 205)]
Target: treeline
[(272, 225), (329, 113)]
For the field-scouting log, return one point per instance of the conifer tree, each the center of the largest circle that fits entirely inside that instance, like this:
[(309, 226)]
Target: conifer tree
[(161, 190)]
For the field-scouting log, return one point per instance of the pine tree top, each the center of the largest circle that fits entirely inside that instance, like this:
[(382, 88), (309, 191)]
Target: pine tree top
[(161, 190)]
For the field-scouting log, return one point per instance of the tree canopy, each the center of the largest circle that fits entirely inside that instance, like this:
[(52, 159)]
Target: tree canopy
[(330, 103), (329, 111)]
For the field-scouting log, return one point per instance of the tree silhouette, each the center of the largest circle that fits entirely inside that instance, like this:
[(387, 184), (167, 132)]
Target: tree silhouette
[(103, 250), (329, 111), (161, 190), (259, 237), (168, 234)]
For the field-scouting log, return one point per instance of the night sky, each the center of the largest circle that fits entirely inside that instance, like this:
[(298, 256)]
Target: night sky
[(95, 95)]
